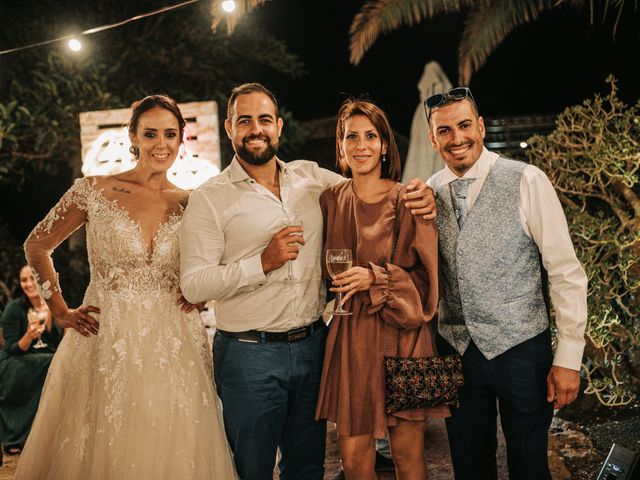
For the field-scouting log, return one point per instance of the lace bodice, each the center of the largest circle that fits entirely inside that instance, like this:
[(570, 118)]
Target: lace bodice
[(119, 259)]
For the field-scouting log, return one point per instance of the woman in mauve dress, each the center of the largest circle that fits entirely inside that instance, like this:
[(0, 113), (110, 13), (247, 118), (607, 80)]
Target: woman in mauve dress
[(392, 299)]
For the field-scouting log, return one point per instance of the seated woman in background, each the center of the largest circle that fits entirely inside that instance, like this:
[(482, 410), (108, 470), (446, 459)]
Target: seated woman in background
[(31, 338), (391, 298)]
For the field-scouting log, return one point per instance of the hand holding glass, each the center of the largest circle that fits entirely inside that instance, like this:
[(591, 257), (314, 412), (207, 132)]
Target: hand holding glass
[(295, 223), (338, 260), (38, 318)]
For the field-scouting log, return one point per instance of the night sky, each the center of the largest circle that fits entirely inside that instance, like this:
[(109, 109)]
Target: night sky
[(543, 67)]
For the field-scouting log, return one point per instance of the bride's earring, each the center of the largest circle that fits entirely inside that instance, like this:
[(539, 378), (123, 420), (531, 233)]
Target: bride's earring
[(135, 151)]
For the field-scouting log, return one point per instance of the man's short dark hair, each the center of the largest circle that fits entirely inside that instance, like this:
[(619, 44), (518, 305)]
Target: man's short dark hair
[(245, 89), (456, 94)]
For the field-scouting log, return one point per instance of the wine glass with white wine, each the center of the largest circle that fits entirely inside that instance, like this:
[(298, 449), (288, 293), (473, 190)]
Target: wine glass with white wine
[(338, 260), (38, 318)]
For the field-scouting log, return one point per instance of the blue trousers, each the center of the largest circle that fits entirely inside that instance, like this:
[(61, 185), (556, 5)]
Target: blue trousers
[(516, 382), (269, 393)]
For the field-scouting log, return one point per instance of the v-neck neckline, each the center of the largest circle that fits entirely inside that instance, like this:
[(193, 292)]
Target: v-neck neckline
[(150, 250)]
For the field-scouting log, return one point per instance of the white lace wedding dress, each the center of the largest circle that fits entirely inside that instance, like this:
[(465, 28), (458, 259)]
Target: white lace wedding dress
[(136, 401)]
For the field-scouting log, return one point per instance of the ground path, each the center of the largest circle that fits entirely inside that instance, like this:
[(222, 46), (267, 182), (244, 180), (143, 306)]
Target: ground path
[(437, 453)]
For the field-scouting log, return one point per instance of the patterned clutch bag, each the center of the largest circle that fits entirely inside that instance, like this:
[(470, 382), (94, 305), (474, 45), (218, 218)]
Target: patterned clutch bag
[(419, 382), (422, 382)]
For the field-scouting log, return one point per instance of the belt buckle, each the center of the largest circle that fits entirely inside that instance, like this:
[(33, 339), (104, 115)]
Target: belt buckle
[(297, 334)]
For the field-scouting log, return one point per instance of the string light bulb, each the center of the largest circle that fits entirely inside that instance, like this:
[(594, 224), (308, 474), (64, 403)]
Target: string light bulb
[(75, 45), (229, 6)]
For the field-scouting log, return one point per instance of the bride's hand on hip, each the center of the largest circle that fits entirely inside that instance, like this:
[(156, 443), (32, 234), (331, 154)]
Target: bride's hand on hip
[(80, 320), (356, 279)]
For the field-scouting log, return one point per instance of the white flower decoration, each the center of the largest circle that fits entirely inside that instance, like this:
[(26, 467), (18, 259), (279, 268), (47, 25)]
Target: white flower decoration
[(45, 290)]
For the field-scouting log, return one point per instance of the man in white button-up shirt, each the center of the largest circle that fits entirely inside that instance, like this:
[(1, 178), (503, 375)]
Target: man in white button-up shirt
[(501, 228), (251, 239)]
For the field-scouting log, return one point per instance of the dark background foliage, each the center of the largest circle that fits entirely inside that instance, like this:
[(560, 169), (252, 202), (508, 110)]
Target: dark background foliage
[(43, 90)]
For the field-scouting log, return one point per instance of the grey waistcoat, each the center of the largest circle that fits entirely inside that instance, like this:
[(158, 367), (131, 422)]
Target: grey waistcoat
[(491, 277)]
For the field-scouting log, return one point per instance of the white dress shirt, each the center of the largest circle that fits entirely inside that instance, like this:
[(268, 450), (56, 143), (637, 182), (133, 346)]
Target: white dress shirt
[(543, 220), (228, 223)]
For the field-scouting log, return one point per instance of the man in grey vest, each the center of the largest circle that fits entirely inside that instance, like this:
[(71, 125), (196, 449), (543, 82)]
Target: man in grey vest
[(501, 227)]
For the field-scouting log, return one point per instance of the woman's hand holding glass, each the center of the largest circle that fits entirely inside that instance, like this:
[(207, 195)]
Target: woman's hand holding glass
[(356, 279), (36, 326)]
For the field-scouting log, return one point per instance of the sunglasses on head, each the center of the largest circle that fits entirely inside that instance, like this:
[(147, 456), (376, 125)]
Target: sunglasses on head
[(453, 95)]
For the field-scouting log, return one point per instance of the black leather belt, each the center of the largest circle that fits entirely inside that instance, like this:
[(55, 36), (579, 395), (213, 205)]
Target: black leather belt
[(257, 336)]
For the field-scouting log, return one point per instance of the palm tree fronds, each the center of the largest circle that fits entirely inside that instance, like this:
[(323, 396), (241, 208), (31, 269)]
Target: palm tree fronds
[(617, 5), (484, 29), (381, 16), (243, 7), (487, 26)]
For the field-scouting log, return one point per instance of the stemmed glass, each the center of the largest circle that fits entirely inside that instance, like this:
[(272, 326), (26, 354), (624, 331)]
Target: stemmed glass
[(295, 223), (338, 260), (38, 317)]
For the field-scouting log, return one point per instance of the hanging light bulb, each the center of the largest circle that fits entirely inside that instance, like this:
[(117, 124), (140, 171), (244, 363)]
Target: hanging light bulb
[(229, 6), (75, 45)]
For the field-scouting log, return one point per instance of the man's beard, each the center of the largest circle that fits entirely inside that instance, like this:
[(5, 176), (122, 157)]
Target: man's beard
[(257, 158)]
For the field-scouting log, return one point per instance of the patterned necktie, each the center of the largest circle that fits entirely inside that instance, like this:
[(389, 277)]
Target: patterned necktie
[(461, 189)]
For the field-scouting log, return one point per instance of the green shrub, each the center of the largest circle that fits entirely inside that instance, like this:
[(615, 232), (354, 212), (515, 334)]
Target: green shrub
[(593, 160)]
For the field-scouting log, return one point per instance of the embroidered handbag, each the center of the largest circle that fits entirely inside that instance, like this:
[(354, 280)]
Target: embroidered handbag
[(420, 382)]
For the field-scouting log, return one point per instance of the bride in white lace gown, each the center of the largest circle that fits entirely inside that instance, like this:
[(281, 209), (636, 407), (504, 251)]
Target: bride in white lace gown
[(129, 394)]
